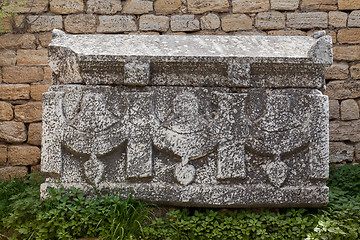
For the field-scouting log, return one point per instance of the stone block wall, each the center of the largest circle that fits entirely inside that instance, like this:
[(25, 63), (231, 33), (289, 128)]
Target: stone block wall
[(25, 74)]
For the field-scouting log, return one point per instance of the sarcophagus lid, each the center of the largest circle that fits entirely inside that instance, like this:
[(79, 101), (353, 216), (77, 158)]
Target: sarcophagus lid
[(219, 121)]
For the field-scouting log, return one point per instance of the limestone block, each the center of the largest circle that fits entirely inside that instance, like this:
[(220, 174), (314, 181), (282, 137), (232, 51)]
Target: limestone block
[(339, 70), (270, 20), (210, 21), (6, 111), (286, 33), (354, 19), (250, 6), (343, 89), (47, 75), (21, 74), (9, 40), (80, 23), (45, 39), (33, 6), (29, 112), (349, 109), (13, 132), (34, 134), (201, 6), (338, 19), (32, 57), (284, 4), (116, 23), (154, 23), (307, 20), (66, 6), (7, 57), (13, 172), (167, 6), (357, 152), (186, 23), (334, 109), (319, 4), (340, 152), (355, 71), (44, 23), (345, 131), (36, 91), (347, 53), (349, 36), (14, 91), (236, 22), (23, 155), (348, 4), (138, 7), (3, 153), (104, 6), (213, 121)]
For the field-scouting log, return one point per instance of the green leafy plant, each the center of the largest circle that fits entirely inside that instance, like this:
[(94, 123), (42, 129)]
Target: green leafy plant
[(7, 12)]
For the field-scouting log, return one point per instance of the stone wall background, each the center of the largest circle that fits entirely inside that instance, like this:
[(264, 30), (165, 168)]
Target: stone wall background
[(25, 74)]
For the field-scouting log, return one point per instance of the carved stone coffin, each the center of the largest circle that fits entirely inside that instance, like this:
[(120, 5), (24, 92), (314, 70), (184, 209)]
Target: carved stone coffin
[(217, 121)]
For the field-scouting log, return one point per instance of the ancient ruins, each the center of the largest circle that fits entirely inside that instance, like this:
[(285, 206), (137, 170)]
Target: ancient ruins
[(216, 121)]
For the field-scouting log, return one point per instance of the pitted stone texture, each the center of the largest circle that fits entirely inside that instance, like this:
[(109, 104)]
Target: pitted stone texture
[(14, 91), (284, 4), (338, 19), (348, 4), (44, 23), (6, 111), (334, 109), (250, 6), (270, 20), (210, 21), (354, 19), (349, 109), (340, 152), (201, 6), (116, 23), (66, 6), (233, 121), (154, 23), (319, 4), (7, 173), (355, 71), (80, 23), (13, 132), (138, 7), (236, 22), (104, 6), (167, 6), (339, 70), (307, 20), (186, 23)]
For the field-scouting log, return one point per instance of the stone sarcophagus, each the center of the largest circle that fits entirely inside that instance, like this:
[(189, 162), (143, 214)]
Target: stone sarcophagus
[(219, 121)]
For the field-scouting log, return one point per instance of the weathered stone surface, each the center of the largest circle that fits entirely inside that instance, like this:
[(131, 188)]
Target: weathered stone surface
[(250, 6), (339, 70), (37, 168), (3, 153), (319, 4), (210, 21), (66, 6), (347, 53), (17, 40), (6, 111), (236, 22), (117, 23), (340, 152), (47, 75), (284, 4), (45, 39), (307, 20), (345, 130), (13, 172), (36, 91), (34, 134), (343, 89), (14, 91), (349, 109), (201, 6), (270, 20), (348, 4), (80, 23), (186, 23), (355, 71), (334, 109), (167, 6), (7, 57), (32, 57), (23, 155), (29, 112), (287, 33), (20, 74), (154, 23), (350, 36), (33, 6), (138, 6), (357, 152), (354, 19), (12, 131), (104, 6), (44, 23), (338, 19), (217, 121)]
